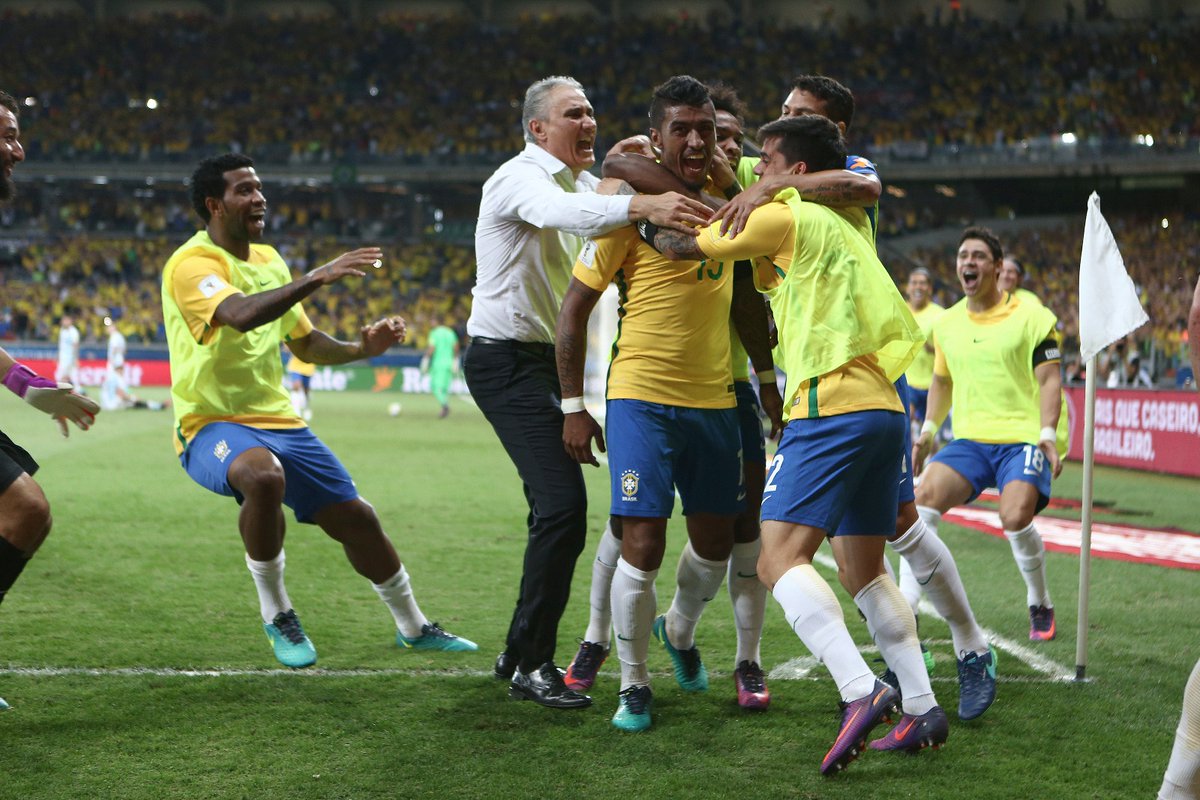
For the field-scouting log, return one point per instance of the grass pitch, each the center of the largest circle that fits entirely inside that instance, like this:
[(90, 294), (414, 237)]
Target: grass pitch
[(132, 653)]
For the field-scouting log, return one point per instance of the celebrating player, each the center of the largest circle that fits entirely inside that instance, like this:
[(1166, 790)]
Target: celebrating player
[(997, 361), (846, 336), (228, 302), (671, 412)]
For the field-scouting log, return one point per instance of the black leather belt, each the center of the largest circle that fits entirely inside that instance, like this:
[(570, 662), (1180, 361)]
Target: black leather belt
[(539, 348)]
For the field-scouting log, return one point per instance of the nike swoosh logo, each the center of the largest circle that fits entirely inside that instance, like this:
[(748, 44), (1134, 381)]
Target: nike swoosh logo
[(623, 639), (902, 732), (931, 573), (744, 575), (977, 341)]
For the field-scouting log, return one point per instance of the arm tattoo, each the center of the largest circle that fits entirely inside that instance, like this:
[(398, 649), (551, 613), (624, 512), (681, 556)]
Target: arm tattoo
[(624, 188), (677, 246), (827, 193)]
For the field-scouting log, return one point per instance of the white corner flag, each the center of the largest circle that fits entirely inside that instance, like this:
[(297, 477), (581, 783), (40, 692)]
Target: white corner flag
[(1108, 302), (1109, 309)]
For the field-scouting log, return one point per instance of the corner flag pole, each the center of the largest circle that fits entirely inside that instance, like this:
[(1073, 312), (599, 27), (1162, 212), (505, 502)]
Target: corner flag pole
[(1085, 532), (1109, 309)]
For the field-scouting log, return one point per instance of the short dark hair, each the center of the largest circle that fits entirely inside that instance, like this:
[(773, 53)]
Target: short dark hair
[(986, 236), (839, 101), (681, 90), (921, 271), (209, 179), (725, 98), (1016, 263), (810, 138), (10, 102)]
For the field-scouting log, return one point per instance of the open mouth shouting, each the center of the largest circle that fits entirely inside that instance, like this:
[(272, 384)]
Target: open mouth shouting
[(969, 278)]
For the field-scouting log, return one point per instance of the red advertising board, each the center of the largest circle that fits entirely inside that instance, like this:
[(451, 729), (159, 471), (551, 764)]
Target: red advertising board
[(1149, 430), (91, 371)]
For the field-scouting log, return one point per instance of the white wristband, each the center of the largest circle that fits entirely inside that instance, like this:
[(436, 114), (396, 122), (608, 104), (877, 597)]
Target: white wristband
[(1048, 435), (929, 426), (572, 405), (766, 376)]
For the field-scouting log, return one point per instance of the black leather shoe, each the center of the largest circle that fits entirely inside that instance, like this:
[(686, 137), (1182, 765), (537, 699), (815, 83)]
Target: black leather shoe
[(545, 687), (506, 665)]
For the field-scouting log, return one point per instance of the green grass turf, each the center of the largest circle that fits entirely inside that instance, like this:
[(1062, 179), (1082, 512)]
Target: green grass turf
[(144, 570)]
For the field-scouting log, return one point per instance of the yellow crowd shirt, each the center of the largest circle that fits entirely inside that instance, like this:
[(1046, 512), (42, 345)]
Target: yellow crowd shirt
[(217, 373), (672, 344), (844, 331), (920, 371), (989, 357)]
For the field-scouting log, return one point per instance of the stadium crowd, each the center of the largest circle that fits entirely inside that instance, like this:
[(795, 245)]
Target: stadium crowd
[(118, 275), (343, 91)]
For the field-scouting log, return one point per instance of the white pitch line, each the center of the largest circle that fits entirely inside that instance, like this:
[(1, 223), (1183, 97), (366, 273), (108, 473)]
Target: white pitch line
[(1035, 660)]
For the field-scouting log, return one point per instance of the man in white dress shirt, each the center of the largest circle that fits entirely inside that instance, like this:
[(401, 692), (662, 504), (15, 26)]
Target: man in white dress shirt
[(536, 211)]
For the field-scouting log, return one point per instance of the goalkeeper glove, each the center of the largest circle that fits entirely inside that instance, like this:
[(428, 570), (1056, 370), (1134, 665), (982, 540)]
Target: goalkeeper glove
[(56, 399)]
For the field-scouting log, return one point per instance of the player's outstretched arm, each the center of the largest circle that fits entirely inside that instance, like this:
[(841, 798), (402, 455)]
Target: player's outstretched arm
[(570, 353), (56, 399), (318, 347), (245, 312), (1049, 380), (838, 188)]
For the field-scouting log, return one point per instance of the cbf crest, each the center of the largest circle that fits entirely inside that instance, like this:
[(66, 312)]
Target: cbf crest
[(630, 481)]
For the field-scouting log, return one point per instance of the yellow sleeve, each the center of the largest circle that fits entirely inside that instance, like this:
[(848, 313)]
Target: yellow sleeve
[(602, 256), (199, 284), (765, 234), (939, 362), (296, 323)]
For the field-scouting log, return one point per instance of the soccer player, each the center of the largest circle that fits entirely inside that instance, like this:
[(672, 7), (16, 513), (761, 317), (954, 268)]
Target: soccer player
[(24, 510), (1182, 778), (855, 185), (534, 214), (919, 292), (847, 336), (114, 391), (441, 363), (996, 360), (67, 369), (671, 412), (746, 592), (228, 301), (926, 563), (1012, 274), (299, 374)]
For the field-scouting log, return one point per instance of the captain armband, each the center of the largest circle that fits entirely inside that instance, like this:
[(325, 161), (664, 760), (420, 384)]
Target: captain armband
[(647, 230), (1046, 351)]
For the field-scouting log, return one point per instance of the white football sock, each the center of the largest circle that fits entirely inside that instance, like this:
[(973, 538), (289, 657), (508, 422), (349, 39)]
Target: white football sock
[(396, 593), (932, 566), (909, 586), (605, 563), (268, 581), (634, 604), (930, 516), (891, 624), (1030, 555), (697, 581), (1182, 778), (749, 597), (299, 401), (813, 612)]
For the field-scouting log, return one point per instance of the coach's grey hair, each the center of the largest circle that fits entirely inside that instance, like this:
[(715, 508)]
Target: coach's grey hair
[(536, 97)]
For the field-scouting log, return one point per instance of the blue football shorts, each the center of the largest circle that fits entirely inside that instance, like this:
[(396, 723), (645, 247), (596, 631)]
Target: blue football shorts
[(985, 465), (654, 448), (840, 474), (314, 478)]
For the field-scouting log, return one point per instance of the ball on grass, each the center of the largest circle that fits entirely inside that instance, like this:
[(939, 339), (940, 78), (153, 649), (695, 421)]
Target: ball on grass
[(394, 410)]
